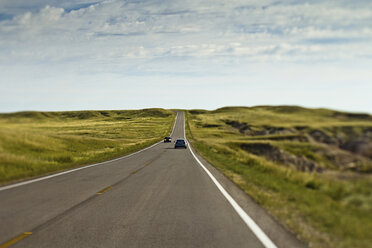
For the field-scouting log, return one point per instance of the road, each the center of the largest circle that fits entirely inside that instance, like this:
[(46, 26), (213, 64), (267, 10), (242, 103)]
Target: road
[(159, 197)]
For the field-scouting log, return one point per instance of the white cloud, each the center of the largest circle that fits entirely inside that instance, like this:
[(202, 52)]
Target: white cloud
[(185, 38), (192, 28)]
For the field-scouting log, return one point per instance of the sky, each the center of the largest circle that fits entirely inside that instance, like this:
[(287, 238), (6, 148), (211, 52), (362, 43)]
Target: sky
[(129, 54)]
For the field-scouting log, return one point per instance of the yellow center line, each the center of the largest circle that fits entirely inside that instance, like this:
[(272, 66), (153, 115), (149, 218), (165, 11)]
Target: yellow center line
[(134, 172), (102, 191), (15, 240)]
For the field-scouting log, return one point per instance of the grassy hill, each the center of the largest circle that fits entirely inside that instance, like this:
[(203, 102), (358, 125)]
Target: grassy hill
[(38, 143), (310, 168)]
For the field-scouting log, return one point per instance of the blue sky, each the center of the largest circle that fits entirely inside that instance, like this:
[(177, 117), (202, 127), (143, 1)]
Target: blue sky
[(111, 54)]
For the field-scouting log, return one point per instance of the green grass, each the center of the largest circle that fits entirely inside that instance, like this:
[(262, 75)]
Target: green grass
[(38, 143), (332, 208)]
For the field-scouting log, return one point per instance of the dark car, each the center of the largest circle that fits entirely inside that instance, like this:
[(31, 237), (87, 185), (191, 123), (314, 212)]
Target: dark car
[(180, 143), (167, 139)]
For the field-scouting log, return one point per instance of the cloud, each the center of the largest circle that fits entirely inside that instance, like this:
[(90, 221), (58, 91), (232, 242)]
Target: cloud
[(80, 6), (48, 15), (288, 31), (194, 38)]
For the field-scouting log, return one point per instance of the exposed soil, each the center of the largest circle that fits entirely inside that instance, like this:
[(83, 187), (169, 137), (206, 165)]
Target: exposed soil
[(274, 154), (346, 139), (244, 128), (211, 125), (353, 115), (345, 148), (322, 137)]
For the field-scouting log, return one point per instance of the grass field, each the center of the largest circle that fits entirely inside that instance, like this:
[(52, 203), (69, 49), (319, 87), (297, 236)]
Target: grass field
[(310, 168), (38, 143)]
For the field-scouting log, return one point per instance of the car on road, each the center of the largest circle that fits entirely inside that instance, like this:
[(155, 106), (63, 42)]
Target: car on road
[(180, 143), (167, 139)]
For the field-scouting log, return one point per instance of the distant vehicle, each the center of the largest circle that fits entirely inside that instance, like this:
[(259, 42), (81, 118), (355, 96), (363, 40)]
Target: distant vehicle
[(167, 139), (180, 143)]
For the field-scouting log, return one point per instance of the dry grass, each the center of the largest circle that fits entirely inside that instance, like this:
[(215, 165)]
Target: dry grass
[(37, 143)]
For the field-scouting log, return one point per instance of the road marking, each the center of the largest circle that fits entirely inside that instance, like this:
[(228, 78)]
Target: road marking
[(81, 168), (174, 125), (184, 126), (134, 172), (15, 240), (104, 190), (265, 240)]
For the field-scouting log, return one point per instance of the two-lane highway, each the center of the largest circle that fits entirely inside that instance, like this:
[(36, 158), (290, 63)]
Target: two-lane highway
[(160, 197)]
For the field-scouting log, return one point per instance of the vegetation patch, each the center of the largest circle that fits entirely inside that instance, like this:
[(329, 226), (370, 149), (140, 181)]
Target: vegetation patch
[(38, 143)]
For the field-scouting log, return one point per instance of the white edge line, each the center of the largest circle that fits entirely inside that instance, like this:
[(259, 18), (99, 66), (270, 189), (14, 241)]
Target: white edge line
[(80, 168), (265, 240)]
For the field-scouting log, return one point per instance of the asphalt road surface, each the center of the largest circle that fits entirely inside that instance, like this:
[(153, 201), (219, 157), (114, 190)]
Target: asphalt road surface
[(159, 197)]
